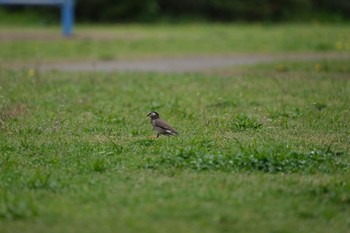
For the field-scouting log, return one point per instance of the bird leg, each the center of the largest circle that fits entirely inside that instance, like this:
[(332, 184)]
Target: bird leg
[(157, 135)]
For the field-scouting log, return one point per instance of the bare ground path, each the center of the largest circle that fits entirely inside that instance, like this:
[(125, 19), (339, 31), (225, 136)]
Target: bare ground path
[(179, 65)]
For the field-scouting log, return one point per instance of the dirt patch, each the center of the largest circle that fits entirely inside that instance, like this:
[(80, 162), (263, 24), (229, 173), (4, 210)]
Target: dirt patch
[(186, 64), (175, 65)]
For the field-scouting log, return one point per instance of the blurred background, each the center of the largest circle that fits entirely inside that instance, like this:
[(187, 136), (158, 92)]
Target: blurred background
[(106, 30), (149, 11)]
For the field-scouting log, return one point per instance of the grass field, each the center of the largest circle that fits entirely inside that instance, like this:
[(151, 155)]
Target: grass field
[(261, 148), (144, 41)]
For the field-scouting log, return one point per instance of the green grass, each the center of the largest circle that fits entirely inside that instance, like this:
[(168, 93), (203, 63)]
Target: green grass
[(147, 41), (261, 149)]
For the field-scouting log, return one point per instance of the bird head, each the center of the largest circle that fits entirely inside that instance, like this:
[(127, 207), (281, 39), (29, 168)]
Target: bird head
[(153, 115)]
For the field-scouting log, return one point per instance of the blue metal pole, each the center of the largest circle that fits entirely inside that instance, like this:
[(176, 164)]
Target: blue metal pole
[(67, 17)]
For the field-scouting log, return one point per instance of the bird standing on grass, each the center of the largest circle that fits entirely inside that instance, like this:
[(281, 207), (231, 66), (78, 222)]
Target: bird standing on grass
[(161, 126)]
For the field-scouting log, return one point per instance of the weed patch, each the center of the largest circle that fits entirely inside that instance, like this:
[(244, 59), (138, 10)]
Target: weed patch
[(271, 159), (244, 122), (99, 165)]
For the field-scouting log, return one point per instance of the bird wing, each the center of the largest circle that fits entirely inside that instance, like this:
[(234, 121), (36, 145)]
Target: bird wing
[(165, 126)]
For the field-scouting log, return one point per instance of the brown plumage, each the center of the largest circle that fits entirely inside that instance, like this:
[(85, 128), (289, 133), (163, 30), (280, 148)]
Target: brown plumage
[(161, 126)]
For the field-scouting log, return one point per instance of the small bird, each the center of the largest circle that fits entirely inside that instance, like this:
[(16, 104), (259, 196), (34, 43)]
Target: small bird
[(161, 126)]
